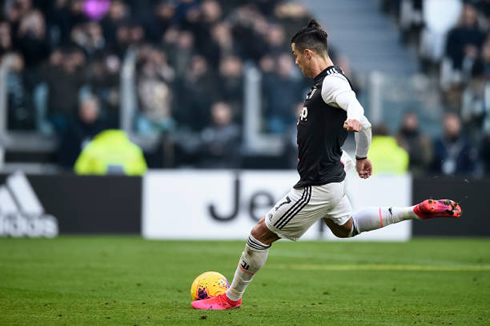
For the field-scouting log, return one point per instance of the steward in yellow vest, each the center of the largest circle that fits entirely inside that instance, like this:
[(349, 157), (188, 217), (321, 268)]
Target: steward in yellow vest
[(387, 157), (111, 152)]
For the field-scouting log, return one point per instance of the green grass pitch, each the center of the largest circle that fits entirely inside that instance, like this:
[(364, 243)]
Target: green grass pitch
[(130, 281)]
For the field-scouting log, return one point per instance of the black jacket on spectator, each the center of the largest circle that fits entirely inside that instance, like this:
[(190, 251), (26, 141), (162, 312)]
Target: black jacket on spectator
[(454, 156), (458, 38), (75, 137)]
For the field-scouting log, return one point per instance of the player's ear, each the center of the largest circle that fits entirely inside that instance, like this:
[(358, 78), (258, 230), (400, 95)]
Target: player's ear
[(308, 54)]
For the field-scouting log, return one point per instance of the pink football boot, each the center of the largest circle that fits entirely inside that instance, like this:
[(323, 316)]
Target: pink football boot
[(220, 302), (431, 208)]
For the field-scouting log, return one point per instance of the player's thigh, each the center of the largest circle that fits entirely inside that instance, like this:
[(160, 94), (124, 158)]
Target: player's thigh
[(339, 217), (296, 212)]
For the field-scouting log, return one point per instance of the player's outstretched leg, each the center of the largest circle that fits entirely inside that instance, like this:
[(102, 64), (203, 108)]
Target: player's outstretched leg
[(251, 261), (377, 217)]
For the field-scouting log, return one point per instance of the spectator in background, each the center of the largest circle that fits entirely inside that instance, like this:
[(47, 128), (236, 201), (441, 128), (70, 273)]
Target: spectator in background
[(90, 38), (485, 152), (345, 65), (77, 16), (111, 152), (281, 91), (231, 84), (116, 15), (183, 51), (210, 15), (137, 34), (221, 35), (385, 154), (123, 40), (465, 41), (5, 38), (291, 15), (82, 128), (453, 153), (154, 92), (104, 79), (20, 110), (275, 40), (16, 10), (60, 23), (417, 145), (475, 110), (248, 25), (194, 94), (64, 77), (220, 141), (31, 40), (485, 55), (164, 17)]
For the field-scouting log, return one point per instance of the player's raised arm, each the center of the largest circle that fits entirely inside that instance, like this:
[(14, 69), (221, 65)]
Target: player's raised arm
[(337, 90)]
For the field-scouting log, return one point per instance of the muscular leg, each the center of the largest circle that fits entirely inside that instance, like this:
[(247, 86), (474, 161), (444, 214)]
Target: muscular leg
[(252, 259), (340, 231), (262, 233), (371, 219)]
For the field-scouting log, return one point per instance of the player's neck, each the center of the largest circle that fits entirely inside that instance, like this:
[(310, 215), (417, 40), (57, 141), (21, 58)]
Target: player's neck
[(320, 65)]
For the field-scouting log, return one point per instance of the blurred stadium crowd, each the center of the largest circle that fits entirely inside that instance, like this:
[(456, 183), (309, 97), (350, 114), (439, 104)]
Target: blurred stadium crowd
[(65, 59)]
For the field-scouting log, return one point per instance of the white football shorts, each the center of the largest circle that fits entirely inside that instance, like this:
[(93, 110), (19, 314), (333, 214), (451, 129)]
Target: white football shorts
[(296, 212)]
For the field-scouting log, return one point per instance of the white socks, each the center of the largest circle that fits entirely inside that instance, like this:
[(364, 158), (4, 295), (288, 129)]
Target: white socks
[(252, 260), (376, 217)]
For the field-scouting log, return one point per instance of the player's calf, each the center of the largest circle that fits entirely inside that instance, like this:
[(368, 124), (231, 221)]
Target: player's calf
[(377, 217)]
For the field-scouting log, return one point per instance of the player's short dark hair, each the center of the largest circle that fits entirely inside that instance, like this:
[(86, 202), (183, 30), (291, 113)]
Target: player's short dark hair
[(311, 37)]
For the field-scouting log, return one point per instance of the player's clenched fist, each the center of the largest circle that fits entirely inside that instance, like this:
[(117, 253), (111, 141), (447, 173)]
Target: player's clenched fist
[(364, 168), (352, 125)]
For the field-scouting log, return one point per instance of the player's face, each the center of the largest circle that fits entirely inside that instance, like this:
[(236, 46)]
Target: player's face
[(300, 59)]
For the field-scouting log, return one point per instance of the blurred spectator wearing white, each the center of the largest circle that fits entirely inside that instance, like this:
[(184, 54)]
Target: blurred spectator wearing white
[(475, 109), (154, 92), (439, 17)]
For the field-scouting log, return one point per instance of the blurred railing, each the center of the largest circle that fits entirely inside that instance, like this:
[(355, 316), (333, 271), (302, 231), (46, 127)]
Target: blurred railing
[(256, 141), (388, 97)]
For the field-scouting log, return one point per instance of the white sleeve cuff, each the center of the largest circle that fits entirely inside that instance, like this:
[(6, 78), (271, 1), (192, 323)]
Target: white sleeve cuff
[(363, 138)]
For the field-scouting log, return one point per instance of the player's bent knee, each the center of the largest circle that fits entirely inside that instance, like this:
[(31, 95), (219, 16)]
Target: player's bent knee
[(262, 233), (340, 231)]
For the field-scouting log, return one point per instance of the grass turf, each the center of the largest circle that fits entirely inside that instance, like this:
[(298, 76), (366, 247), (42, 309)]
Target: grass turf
[(130, 281)]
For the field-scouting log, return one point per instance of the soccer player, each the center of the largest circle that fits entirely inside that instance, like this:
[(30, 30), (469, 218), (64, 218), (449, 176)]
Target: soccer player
[(330, 111)]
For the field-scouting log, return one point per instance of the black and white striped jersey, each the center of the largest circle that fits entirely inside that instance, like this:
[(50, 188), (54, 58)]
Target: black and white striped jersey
[(320, 131)]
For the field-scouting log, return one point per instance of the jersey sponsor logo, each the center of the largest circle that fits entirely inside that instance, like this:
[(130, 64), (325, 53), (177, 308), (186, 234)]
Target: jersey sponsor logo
[(304, 114), (21, 212)]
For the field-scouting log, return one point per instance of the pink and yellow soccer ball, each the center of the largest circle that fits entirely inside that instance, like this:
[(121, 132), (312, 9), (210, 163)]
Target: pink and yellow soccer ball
[(207, 285)]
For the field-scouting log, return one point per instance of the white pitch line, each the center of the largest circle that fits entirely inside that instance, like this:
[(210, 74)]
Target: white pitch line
[(385, 267)]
